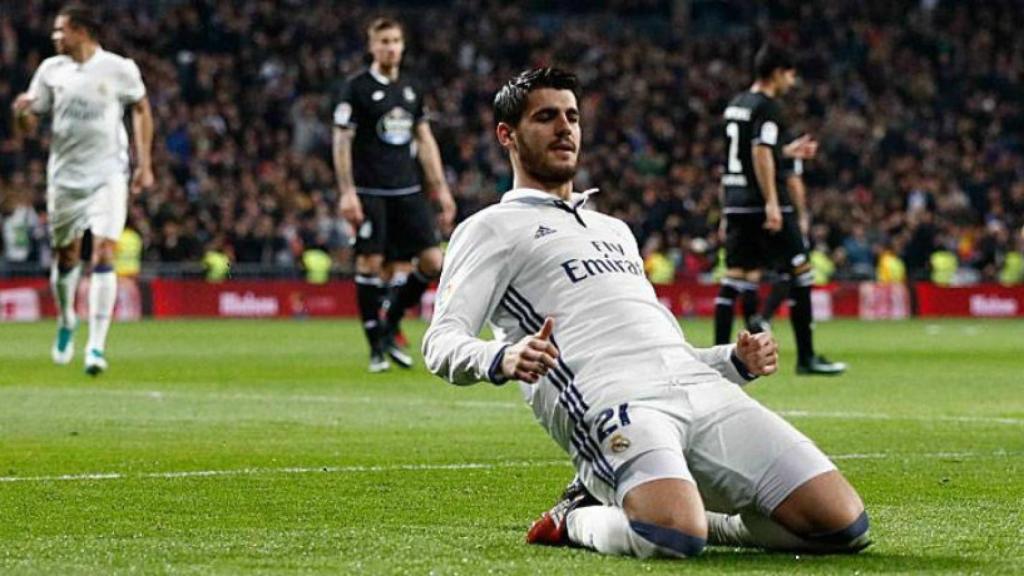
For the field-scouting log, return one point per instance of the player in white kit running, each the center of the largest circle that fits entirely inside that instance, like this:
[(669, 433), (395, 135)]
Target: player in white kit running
[(673, 454), (85, 90)]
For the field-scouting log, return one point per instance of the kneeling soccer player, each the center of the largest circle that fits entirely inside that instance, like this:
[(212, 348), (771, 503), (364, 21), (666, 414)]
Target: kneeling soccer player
[(675, 453)]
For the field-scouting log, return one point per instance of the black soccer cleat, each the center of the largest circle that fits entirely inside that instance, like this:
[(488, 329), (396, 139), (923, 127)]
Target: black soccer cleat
[(378, 363), (395, 350), (820, 366), (401, 357)]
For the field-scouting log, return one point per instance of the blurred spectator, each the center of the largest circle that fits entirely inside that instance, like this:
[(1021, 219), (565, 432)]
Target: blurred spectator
[(917, 106), (22, 230), (216, 261), (891, 269), (659, 267), (128, 253)]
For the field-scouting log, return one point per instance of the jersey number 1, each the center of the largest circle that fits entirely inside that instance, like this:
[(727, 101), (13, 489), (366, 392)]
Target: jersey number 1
[(732, 130)]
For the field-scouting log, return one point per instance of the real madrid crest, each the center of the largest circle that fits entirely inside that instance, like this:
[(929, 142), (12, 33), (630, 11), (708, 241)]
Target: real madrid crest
[(619, 443), (409, 93), (377, 96)]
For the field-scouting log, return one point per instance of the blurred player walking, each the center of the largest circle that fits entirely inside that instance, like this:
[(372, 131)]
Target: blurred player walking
[(85, 90)]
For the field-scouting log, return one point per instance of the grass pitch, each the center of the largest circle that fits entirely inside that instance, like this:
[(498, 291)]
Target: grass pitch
[(237, 446)]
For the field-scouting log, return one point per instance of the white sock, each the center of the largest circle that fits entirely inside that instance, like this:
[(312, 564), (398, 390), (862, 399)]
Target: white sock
[(64, 286), (606, 529), (102, 294)]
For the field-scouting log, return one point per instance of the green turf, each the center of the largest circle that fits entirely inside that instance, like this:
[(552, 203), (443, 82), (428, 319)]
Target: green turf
[(317, 467)]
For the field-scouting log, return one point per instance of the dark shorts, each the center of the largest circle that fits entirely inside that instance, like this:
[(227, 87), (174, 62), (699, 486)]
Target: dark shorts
[(749, 246), (399, 227)]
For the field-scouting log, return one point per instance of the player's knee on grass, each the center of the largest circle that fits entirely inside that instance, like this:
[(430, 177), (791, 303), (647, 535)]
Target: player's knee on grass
[(851, 539), (826, 511), (656, 540), (666, 518)]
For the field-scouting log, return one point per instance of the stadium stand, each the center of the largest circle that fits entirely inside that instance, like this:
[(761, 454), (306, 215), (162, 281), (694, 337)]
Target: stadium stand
[(918, 106)]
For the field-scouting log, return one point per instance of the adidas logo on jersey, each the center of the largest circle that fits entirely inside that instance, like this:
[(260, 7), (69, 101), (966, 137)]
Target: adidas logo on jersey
[(543, 231)]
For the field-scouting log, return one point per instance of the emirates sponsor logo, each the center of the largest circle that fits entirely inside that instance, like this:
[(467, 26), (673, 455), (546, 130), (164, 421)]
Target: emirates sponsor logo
[(986, 305), (247, 304)]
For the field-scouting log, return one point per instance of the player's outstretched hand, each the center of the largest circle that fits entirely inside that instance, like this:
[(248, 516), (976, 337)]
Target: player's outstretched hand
[(352, 209), (530, 359), (758, 352)]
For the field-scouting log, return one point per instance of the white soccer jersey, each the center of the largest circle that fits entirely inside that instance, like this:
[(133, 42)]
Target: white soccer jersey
[(89, 142), (533, 256)]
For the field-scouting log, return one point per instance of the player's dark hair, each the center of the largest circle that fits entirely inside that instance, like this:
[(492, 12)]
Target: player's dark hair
[(383, 23), (82, 16), (770, 58), (510, 101)]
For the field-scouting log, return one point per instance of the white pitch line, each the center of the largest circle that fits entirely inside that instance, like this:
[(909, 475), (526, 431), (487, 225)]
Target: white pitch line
[(286, 470), (354, 469), (876, 416), (160, 395)]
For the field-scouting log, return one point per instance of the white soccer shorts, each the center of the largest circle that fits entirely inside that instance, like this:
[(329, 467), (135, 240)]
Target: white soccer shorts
[(103, 210), (741, 456)]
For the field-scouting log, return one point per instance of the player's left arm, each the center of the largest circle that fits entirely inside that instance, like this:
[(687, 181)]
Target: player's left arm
[(142, 129), (752, 355), (132, 92), (429, 155)]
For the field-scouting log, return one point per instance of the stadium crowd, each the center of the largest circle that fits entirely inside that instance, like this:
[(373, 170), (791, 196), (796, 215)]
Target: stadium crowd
[(917, 105)]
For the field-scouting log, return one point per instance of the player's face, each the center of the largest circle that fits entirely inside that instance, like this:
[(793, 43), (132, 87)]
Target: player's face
[(547, 137), (66, 36), (387, 46), (59, 35), (787, 79)]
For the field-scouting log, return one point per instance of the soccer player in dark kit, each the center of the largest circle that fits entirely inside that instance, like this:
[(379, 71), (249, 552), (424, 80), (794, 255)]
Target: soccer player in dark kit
[(382, 139), (762, 231)]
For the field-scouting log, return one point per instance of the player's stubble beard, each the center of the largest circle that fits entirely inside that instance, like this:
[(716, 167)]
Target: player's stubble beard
[(534, 162)]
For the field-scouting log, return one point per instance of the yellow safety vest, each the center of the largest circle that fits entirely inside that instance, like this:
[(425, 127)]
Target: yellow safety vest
[(318, 266), (128, 253), (217, 265)]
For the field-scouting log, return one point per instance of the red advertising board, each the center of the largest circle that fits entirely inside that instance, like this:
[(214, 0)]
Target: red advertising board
[(29, 299), (986, 301), (252, 298)]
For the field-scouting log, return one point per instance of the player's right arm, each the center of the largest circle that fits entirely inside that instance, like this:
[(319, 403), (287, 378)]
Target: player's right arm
[(351, 207), (478, 269), (764, 171), (766, 131), (25, 122), (341, 151)]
